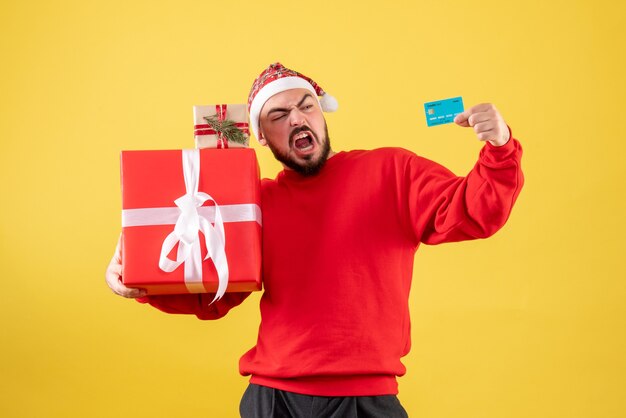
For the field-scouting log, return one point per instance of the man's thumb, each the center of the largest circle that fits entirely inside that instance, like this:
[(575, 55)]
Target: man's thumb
[(462, 119)]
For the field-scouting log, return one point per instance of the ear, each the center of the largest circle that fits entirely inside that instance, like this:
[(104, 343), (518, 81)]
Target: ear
[(262, 140)]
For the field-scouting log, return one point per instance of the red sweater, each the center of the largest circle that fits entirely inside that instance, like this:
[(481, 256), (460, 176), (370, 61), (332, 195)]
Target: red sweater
[(338, 251)]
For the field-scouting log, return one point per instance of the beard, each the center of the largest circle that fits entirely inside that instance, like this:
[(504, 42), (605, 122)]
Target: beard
[(310, 165)]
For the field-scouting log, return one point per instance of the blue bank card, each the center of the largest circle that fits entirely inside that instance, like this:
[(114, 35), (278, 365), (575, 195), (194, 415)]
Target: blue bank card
[(443, 111)]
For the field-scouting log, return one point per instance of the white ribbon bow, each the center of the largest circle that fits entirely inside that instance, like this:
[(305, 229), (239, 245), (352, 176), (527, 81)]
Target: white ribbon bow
[(187, 228)]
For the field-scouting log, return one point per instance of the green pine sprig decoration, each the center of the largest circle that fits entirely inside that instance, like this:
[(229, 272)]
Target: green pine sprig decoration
[(227, 128)]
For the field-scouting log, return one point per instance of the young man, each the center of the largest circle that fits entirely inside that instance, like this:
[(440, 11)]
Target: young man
[(340, 231)]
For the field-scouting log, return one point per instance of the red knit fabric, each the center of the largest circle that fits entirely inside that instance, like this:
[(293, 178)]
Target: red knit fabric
[(338, 252)]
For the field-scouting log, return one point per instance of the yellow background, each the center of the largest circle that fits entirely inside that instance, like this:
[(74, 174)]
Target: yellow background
[(529, 323)]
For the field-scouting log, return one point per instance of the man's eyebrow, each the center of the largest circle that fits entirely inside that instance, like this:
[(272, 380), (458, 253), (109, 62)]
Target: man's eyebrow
[(283, 109)]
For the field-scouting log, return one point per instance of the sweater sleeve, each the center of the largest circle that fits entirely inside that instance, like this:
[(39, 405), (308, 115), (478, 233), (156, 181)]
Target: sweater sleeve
[(196, 304), (447, 208)]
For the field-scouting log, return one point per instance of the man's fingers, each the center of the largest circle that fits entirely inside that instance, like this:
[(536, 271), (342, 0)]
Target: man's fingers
[(113, 278), (487, 131), (489, 135), (131, 292), (487, 123), (116, 285), (476, 114), (484, 126), (468, 118), (479, 117), (115, 269)]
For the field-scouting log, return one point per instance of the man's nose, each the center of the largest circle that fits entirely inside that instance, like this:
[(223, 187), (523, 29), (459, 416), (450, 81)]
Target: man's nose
[(296, 118)]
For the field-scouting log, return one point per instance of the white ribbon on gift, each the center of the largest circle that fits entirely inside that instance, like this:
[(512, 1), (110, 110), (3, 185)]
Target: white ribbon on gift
[(190, 217)]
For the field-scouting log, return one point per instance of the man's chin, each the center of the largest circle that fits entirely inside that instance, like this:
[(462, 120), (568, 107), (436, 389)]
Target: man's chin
[(308, 165)]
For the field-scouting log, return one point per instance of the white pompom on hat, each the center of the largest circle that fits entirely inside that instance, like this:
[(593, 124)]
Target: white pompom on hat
[(275, 79)]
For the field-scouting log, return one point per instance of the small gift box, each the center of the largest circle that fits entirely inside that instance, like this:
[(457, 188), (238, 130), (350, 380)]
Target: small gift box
[(221, 126), (191, 221)]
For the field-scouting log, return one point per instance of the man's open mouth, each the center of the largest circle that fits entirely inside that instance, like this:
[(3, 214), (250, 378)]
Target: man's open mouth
[(303, 141)]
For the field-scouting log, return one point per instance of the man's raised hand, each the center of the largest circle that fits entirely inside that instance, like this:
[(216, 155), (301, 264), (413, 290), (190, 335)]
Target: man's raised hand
[(487, 123)]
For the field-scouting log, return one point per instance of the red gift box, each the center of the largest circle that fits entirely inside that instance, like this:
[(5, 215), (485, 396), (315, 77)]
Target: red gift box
[(189, 218)]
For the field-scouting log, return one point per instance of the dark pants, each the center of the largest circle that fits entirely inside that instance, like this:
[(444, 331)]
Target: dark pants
[(263, 402)]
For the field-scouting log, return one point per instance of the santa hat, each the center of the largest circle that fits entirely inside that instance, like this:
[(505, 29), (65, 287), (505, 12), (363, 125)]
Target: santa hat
[(275, 79)]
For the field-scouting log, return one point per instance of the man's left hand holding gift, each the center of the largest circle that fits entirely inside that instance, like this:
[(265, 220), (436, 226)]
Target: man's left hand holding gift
[(113, 277)]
